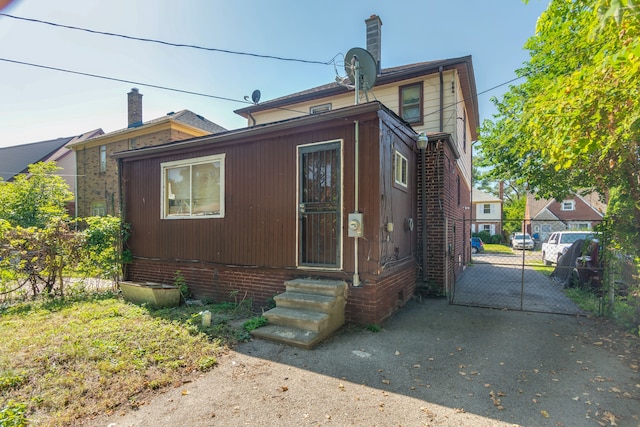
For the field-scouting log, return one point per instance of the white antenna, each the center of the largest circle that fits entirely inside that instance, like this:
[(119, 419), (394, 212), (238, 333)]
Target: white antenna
[(361, 69)]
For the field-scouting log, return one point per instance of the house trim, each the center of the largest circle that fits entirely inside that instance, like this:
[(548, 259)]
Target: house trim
[(118, 136)]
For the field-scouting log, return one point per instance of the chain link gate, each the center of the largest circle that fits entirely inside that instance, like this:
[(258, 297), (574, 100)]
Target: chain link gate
[(506, 278)]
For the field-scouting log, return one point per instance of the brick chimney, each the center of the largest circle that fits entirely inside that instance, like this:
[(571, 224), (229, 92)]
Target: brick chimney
[(134, 103), (374, 38)]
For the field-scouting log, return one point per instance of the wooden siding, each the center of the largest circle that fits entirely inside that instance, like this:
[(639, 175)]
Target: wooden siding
[(259, 227)]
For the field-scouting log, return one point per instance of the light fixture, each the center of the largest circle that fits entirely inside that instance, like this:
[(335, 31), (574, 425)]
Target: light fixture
[(421, 142)]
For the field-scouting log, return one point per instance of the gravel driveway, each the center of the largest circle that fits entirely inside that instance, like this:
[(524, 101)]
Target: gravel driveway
[(432, 364)]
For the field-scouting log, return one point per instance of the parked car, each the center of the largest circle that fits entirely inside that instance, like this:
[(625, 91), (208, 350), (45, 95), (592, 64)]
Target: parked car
[(477, 245), (522, 241), (557, 244)]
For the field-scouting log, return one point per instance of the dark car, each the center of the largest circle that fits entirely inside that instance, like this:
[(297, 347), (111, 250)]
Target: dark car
[(477, 245), (580, 265)]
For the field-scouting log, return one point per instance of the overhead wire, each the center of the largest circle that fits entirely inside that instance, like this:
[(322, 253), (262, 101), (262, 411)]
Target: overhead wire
[(332, 61), (166, 43)]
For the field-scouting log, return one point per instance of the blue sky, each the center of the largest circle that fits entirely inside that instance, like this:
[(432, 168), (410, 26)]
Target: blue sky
[(38, 104)]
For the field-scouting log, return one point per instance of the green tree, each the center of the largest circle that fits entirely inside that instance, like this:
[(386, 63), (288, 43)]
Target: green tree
[(575, 121), (36, 198)]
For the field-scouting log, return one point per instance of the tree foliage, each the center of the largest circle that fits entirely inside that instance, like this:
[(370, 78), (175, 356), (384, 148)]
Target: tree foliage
[(34, 199), (575, 121), (105, 239)]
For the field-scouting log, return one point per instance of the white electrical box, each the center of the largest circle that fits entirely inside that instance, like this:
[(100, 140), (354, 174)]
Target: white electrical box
[(355, 225)]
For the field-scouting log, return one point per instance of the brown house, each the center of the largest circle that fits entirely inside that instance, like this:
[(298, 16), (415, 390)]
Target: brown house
[(246, 210), (97, 182), (574, 212), (436, 97)]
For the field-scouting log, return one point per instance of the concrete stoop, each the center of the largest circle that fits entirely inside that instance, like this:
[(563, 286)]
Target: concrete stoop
[(308, 312)]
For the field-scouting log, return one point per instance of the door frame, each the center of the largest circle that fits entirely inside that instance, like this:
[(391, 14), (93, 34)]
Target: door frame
[(340, 237)]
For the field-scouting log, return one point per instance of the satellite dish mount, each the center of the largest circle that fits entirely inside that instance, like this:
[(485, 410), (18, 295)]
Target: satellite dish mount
[(361, 69)]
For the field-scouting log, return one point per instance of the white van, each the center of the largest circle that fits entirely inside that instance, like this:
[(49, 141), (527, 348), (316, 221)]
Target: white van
[(557, 244)]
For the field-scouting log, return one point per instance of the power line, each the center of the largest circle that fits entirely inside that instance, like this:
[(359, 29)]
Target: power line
[(97, 76), (63, 70), (166, 43)]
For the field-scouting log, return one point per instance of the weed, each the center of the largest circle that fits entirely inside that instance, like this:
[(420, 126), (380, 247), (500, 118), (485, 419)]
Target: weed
[(13, 414), (373, 327), (254, 323), (206, 363), (269, 303), (181, 283), (9, 379)]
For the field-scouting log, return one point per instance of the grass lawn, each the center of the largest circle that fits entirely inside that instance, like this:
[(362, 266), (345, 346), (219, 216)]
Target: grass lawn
[(64, 360), (497, 249)]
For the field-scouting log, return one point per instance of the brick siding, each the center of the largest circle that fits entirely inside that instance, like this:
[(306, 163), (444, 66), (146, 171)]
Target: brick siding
[(372, 303)]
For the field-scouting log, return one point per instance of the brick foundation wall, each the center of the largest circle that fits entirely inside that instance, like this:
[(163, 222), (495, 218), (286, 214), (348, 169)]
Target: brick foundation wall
[(372, 303)]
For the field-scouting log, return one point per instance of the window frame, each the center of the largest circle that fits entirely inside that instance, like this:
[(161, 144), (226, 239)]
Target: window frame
[(484, 208), (322, 108), (571, 203), (99, 208), (400, 173), (420, 103), (164, 197), (102, 150)]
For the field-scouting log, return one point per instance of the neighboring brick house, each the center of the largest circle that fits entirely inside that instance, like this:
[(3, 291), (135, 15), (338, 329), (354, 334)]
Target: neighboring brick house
[(16, 159), (97, 184), (574, 212), (438, 98), (487, 213)]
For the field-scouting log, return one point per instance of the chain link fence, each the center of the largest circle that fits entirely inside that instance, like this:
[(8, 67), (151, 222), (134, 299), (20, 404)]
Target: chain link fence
[(549, 266)]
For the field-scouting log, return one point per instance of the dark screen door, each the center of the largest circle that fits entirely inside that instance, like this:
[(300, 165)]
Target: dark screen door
[(319, 205)]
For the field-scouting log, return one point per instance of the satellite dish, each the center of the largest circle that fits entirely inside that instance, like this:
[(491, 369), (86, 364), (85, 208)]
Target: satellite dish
[(368, 71), (255, 96)]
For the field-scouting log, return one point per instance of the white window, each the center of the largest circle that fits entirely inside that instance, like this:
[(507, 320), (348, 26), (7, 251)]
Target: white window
[(103, 158), (487, 227), (568, 205), (193, 188), (401, 172), (486, 208), (98, 209), (320, 108)]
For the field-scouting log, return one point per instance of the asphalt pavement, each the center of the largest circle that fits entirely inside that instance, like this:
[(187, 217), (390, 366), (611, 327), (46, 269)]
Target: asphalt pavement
[(431, 364)]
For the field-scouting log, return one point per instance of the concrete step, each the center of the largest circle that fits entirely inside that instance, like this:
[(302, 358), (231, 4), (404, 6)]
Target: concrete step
[(312, 302), (319, 287), (288, 335), (296, 318)]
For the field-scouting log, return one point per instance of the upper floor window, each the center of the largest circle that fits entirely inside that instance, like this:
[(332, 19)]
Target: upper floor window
[(320, 108), (103, 158), (411, 103), (486, 208), (568, 205), (401, 172), (193, 188)]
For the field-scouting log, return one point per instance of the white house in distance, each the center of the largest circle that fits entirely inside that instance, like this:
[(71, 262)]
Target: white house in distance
[(486, 212)]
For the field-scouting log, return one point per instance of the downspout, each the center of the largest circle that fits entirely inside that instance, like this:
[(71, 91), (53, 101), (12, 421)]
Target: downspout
[(444, 215), (440, 71), (423, 196), (252, 118), (356, 276)]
